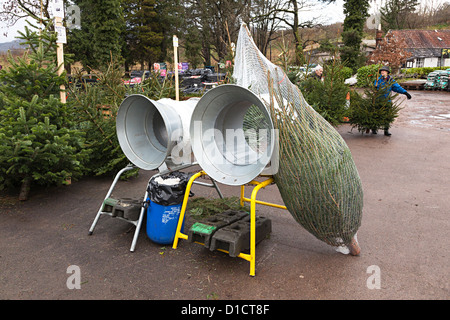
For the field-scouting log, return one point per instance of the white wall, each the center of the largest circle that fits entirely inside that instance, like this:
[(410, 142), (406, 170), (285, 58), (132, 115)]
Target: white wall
[(429, 62)]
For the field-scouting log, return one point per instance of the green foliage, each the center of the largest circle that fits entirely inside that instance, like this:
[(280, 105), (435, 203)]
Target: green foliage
[(372, 111), (346, 72), (422, 72), (201, 208), (100, 36), (144, 31), (356, 13), (328, 97), (366, 75), (38, 144), (95, 107), (395, 13), (193, 47)]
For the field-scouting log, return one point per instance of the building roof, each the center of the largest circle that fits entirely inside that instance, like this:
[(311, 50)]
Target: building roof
[(424, 43)]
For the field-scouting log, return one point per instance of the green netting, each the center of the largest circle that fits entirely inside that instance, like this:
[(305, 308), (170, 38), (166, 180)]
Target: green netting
[(317, 177)]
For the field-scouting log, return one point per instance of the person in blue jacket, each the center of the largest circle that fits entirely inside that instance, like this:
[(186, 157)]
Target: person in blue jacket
[(386, 83)]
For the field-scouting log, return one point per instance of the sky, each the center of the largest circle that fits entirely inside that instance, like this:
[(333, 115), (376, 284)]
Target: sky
[(12, 31)]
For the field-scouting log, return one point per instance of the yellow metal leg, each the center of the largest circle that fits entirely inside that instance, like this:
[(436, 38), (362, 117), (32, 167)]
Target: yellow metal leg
[(258, 186), (253, 224), (178, 233)]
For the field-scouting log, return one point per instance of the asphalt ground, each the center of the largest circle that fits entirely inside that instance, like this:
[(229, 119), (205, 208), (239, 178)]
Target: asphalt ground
[(403, 237)]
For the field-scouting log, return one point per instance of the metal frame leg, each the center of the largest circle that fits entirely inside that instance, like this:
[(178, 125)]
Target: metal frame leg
[(258, 186), (99, 212), (178, 233), (139, 224)]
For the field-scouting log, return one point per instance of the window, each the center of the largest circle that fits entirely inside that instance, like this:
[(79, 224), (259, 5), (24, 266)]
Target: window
[(419, 62), (410, 63)]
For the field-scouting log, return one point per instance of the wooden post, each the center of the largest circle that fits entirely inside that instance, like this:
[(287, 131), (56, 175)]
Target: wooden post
[(175, 59), (60, 58), (58, 13)]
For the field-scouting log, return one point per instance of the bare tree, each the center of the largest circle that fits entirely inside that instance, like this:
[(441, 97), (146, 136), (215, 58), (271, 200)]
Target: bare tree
[(390, 52), (14, 10), (217, 23), (290, 13), (263, 23)]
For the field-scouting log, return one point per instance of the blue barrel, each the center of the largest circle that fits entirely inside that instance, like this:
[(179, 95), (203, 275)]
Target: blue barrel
[(162, 222)]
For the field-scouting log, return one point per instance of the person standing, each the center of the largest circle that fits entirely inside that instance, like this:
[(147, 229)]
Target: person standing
[(386, 84)]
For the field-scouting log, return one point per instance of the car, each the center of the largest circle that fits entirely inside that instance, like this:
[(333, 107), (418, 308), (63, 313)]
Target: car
[(139, 74), (132, 81)]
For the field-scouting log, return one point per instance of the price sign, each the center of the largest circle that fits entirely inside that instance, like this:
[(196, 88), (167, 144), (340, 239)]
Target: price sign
[(61, 31), (58, 8)]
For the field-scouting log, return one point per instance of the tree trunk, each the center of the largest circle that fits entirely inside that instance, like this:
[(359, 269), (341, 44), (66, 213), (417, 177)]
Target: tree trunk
[(25, 189)]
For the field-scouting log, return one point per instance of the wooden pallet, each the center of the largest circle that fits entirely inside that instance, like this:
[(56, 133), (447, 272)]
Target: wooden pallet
[(413, 85)]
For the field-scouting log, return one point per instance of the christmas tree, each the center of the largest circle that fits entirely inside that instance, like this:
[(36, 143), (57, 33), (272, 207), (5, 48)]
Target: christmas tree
[(38, 145), (328, 97), (372, 110)]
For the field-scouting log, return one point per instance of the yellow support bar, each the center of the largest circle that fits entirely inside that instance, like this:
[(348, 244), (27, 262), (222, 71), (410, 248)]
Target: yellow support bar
[(253, 223), (178, 233), (265, 203)]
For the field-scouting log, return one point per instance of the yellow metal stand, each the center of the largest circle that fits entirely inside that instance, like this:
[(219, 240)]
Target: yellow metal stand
[(258, 186)]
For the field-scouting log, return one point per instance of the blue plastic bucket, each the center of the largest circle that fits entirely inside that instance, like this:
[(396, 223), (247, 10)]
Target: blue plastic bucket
[(162, 222)]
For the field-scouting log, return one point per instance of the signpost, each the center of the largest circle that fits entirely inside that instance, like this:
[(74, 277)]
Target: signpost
[(58, 14), (175, 63)]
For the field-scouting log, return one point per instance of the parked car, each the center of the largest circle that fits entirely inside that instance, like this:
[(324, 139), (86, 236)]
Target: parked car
[(132, 81), (140, 74), (199, 80)]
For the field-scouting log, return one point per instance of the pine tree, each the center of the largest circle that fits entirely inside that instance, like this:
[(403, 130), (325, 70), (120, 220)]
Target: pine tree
[(356, 13), (372, 110), (100, 35), (328, 97), (396, 14), (144, 36), (37, 142)]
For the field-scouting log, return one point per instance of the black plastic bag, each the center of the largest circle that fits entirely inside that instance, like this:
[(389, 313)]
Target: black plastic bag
[(165, 194)]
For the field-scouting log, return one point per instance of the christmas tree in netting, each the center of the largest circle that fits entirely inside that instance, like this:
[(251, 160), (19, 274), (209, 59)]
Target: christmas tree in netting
[(317, 177)]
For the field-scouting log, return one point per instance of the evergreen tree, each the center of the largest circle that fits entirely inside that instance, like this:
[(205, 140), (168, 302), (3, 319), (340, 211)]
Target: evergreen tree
[(100, 35), (328, 97), (144, 36), (356, 13), (37, 142), (396, 14), (371, 110), (193, 47)]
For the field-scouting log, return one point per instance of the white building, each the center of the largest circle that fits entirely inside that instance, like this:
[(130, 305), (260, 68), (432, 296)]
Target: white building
[(429, 48)]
